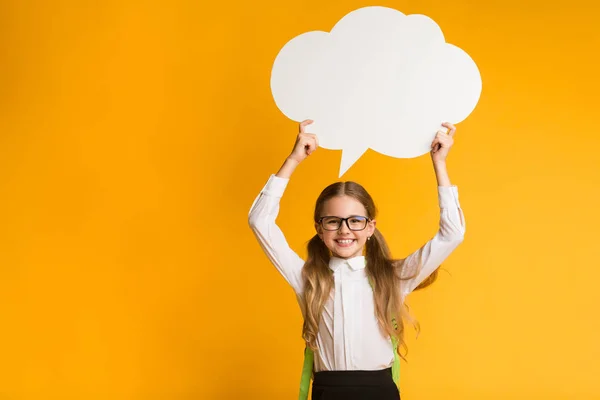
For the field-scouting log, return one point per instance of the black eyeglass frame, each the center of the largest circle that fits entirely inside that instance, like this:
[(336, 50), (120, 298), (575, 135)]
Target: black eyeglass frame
[(342, 220)]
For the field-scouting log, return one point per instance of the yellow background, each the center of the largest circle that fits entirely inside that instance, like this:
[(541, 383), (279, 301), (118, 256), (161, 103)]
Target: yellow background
[(135, 135)]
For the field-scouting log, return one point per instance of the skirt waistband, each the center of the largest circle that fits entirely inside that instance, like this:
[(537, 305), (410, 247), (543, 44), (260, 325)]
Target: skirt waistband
[(353, 378)]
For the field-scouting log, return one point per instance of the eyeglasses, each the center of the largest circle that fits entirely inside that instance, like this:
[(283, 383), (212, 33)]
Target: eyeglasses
[(353, 222)]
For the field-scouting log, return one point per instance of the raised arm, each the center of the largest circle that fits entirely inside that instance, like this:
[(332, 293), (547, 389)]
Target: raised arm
[(423, 262), (265, 209)]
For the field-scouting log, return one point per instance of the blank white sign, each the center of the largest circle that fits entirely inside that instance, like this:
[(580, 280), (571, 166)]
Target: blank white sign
[(380, 79)]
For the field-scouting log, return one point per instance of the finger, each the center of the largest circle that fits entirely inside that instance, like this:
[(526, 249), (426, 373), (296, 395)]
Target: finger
[(306, 142), (310, 145), (443, 137), (445, 143), (309, 139), (304, 123), (309, 148), (452, 128), (313, 137)]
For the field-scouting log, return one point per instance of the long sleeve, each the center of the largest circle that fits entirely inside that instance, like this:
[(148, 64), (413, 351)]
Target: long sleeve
[(261, 219), (429, 257)]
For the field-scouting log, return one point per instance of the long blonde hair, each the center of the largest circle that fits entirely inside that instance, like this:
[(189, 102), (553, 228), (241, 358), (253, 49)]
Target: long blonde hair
[(384, 273)]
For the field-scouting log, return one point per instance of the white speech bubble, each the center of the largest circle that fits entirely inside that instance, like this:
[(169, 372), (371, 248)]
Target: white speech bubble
[(380, 79)]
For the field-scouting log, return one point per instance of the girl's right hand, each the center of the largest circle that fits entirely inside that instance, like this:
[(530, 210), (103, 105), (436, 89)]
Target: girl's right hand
[(305, 144)]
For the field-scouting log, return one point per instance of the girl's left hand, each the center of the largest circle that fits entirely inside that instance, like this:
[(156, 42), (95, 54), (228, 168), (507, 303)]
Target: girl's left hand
[(442, 143)]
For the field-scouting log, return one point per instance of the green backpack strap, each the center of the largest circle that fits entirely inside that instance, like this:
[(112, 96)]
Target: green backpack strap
[(396, 364), (307, 371)]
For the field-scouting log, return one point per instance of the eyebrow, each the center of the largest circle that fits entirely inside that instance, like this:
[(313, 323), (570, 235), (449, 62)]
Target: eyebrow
[(349, 216)]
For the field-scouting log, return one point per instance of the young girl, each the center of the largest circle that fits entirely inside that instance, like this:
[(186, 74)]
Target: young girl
[(351, 292)]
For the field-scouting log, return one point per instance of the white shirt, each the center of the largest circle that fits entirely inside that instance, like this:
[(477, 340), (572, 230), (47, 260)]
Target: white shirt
[(349, 337)]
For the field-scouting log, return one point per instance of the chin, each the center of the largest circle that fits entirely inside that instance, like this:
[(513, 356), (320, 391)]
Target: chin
[(347, 253)]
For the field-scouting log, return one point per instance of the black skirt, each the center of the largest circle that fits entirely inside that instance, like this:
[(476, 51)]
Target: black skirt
[(354, 385)]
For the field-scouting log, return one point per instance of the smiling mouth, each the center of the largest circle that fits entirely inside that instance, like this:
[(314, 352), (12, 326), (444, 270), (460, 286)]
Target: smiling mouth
[(345, 242)]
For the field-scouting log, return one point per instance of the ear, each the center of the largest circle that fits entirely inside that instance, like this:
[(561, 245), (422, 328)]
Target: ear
[(371, 228), (319, 230)]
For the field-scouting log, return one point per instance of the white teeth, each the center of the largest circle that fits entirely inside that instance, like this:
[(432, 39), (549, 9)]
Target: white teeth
[(347, 241)]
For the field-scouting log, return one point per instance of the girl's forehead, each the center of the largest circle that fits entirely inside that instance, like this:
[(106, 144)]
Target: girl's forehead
[(343, 206)]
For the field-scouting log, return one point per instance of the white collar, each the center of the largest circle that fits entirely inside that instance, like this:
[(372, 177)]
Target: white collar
[(355, 263)]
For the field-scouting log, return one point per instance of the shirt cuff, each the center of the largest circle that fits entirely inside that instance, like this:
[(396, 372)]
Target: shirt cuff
[(448, 196), (275, 186)]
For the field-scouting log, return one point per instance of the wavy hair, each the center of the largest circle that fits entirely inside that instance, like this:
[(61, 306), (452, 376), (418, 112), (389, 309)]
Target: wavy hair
[(385, 274)]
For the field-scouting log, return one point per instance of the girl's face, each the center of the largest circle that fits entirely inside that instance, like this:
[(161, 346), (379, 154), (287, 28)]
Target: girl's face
[(343, 242)]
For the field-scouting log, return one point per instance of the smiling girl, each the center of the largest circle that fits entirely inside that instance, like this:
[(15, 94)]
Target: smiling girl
[(350, 290)]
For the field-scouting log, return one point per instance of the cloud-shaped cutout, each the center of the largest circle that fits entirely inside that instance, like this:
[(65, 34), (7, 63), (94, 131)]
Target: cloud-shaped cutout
[(380, 79)]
